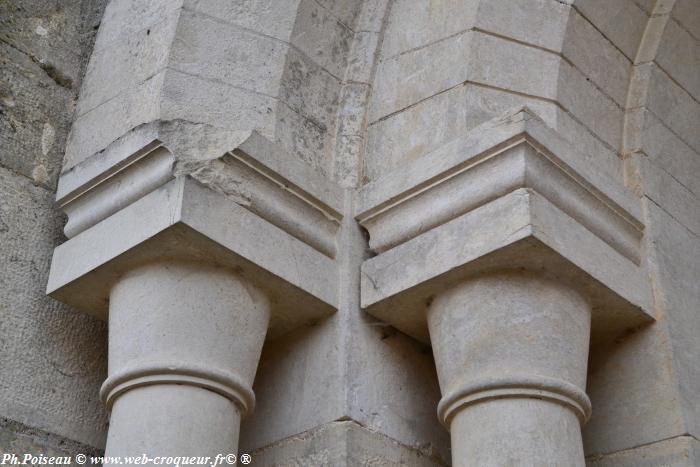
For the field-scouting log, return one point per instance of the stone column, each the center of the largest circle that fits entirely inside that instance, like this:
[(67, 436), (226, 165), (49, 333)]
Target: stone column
[(184, 343), (511, 351)]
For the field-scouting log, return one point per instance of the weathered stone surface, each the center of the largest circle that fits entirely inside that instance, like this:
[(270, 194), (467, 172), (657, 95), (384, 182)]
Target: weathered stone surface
[(414, 24), (276, 20), (50, 33), (216, 51), (634, 371), (264, 106), (665, 191), (686, 13), (596, 111), (681, 451), (320, 35), (679, 55), (423, 73), (597, 58), (19, 439), (435, 121), (44, 48), (541, 23), (35, 117), (674, 106), (341, 443), (669, 152), (94, 130), (310, 90), (128, 18), (621, 21), (53, 358), (675, 265), (120, 67)]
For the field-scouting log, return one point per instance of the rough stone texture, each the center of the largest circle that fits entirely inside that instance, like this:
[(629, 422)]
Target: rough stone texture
[(53, 358), (44, 47), (341, 443), (681, 451), (356, 91), (239, 67), (17, 438)]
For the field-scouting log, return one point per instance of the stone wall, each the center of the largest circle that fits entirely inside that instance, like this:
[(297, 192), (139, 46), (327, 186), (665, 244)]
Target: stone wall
[(52, 358), (352, 93)]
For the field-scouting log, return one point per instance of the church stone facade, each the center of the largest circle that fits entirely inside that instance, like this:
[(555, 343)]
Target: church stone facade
[(352, 232)]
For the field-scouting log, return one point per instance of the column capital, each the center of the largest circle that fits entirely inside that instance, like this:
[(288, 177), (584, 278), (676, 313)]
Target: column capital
[(178, 190), (511, 194)]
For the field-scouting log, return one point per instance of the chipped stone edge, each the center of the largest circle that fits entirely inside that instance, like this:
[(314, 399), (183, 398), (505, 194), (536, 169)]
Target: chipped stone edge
[(397, 285), (180, 217)]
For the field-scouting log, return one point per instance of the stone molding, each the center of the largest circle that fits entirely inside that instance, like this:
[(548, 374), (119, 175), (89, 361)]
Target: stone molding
[(511, 194), (514, 386), (226, 384), (479, 167), (146, 197), (244, 166)]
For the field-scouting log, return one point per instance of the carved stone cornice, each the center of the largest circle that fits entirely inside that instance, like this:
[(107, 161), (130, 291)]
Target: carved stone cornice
[(512, 194), (141, 200)]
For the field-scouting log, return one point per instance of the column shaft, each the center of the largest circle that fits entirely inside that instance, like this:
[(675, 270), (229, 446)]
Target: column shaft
[(511, 351), (184, 343)]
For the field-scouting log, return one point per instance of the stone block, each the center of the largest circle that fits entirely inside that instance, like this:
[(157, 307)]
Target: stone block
[(199, 100), (371, 18), (413, 24), (305, 138), (623, 22), (597, 58), (397, 284), (347, 164), (270, 19), (345, 11), (679, 56), (423, 73), (35, 118), (515, 67), (351, 112), (128, 18), (342, 443), (214, 50), (470, 170), (53, 359), (665, 191), (596, 111), (362, 56), (670, 153), (633, 390), (289, 367), (674, 106), (432, 122), (83, 269), (47, 31), (675, 266), (119, 68), (687, 14), (541, 23), (681, 451), (96, 129), (309, 89), (20, 440), (322, 37)]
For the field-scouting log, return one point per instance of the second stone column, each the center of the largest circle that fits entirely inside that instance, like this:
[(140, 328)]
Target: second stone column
[(511, 351)]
